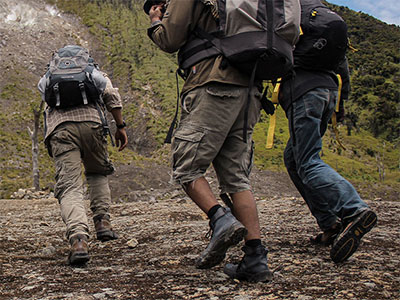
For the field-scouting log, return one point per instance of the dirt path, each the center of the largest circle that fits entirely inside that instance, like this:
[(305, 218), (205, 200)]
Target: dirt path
[(161, 231), (161, 234)]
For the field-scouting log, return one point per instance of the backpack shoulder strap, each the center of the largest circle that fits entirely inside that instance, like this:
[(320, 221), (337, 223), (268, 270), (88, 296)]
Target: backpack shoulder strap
[(213, 5)]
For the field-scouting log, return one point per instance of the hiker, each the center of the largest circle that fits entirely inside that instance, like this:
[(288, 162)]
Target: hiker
[(75, 133), (210, 131), (309, 99)]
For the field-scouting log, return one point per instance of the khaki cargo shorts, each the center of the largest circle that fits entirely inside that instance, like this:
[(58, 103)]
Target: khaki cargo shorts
[(211, 132)]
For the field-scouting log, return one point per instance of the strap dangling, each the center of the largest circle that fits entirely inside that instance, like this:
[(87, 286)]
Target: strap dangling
[(83, 93), (56, 90)]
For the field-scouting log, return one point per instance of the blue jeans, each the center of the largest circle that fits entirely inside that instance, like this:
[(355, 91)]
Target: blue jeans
[(328, 195)]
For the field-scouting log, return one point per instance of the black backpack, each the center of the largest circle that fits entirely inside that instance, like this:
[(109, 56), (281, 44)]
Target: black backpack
[(323, 43), (70, 80), (253, 35)]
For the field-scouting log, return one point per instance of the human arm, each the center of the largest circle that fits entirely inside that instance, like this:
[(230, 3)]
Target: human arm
[(170, 30), (121, 138), (113, 103)]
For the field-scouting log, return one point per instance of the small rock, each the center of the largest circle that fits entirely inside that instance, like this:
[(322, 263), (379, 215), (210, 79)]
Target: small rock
[(370, 285), (220, 277), (224, 289), (132, 243), (28, 288), (241, 298), (125, 213), (303, 297), (48, 251), (153, 260), (99, 295)]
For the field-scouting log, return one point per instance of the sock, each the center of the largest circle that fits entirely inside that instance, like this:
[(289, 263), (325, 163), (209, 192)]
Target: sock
[(253, 243), (213, 210)]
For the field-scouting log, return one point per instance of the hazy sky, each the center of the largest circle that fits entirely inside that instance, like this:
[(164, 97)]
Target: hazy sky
[(385, 10)]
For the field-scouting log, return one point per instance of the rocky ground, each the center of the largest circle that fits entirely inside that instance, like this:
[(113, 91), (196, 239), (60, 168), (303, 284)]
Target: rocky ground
[(161, 234), (161, 230)]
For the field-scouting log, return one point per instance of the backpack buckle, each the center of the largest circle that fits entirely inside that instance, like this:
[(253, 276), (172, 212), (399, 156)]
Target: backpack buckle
[(83, 92), (56, 90)]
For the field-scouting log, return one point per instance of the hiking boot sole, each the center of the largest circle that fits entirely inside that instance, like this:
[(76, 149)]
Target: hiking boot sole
[(78, 259), (212, 257), (349, 240), (231, 271), (106, 235)]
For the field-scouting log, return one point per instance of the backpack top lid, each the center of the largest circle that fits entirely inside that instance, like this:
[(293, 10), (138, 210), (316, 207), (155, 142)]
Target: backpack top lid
[(254, 36), (70, 57), (71, 50), (324, 41), (310, 2)]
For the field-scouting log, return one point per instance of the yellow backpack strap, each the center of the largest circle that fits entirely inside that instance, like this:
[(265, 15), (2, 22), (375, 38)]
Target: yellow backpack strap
[(339, 94), (334, 119), (272, 119)]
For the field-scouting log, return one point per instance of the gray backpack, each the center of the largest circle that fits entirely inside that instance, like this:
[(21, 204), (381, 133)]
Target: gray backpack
[(255, 36), (72, 79)]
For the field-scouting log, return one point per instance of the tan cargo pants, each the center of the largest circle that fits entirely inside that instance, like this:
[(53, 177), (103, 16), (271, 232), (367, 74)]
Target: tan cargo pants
[(71, 144)]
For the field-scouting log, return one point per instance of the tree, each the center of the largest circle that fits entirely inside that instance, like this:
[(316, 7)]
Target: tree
[(35, 145)]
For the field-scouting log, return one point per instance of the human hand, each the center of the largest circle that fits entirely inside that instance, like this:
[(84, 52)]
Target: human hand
[(156, 12), (121, 138), (340, 114)]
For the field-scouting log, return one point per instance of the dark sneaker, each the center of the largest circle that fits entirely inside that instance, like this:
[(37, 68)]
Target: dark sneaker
[(79, 253), (227, 231), (104, 230), (252, 268), (349, 239), (327, 237)]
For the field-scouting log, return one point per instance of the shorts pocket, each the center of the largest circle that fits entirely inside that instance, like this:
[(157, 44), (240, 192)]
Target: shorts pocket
[(185, 147)]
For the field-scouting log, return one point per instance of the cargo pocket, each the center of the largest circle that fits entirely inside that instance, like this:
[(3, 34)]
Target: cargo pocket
[(223, 91), (185, 147), (60, 143), (99, 142)]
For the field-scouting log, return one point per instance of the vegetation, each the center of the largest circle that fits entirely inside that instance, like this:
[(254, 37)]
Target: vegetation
[(371, 132), (375, 74)]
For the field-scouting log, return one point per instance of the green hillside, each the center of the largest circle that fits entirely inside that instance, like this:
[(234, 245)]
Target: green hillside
[(146, 77)]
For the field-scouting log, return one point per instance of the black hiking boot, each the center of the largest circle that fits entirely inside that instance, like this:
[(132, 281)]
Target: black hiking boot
[(227, 231), (349, 239), (253, 266), (78, 254)]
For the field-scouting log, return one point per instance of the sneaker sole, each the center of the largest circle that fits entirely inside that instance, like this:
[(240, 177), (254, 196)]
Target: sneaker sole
[(215, 256), (347, 244)]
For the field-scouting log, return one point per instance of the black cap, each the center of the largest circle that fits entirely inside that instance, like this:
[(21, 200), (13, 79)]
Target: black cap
[(149, 3)]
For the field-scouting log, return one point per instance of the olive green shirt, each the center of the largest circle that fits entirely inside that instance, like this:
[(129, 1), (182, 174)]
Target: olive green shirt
[(179, 20)]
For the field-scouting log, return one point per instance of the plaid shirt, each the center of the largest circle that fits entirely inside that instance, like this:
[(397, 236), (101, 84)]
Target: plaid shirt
[(54, 117)]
